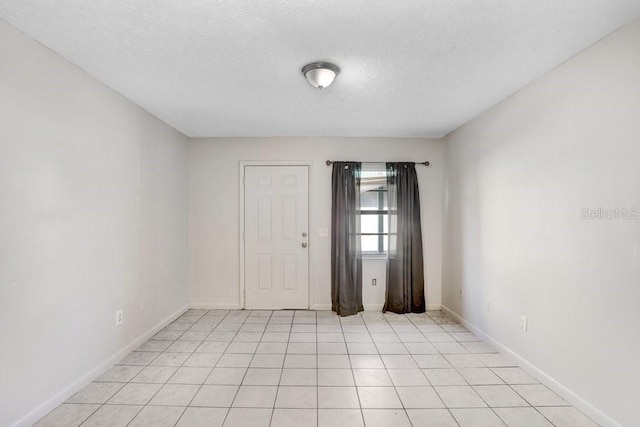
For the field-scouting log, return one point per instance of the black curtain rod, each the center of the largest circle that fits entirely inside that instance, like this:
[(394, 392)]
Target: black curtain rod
[(329, 162)]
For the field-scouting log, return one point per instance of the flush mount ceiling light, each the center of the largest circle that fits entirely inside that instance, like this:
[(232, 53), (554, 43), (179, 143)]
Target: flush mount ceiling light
[(320, 74)]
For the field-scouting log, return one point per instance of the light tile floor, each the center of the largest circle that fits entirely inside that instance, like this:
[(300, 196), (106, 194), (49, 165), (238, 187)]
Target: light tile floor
[(308, 368)]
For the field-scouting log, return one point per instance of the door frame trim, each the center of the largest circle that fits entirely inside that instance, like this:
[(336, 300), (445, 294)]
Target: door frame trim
[(242, 164)]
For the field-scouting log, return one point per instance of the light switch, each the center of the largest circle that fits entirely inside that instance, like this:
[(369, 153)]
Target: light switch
[(323, 232)]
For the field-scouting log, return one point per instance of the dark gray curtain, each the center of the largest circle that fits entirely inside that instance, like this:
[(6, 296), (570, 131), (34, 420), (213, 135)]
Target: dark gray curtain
[(405, 269), (346, 253)]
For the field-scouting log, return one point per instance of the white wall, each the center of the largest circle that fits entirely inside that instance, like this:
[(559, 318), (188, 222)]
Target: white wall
[(214, 210), (93, 217), (517, 179)]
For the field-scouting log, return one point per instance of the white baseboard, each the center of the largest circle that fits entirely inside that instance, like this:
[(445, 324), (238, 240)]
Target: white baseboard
[(214, 306), (42, 410), (370, 307), (564, 392), (367, 307)]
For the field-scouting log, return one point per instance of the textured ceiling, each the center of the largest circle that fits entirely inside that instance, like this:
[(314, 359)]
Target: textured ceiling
[(232, 68)]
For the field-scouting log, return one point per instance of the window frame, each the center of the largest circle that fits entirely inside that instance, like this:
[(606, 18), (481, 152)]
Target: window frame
[(380, 213)]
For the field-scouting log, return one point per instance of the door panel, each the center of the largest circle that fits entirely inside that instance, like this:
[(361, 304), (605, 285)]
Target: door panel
[(276, 229)]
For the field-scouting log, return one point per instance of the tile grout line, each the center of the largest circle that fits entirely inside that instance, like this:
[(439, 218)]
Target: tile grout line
[(149, 364), (411, 357), (441, 355), (355, 384), (457, 370), (192, 353), (167, 381), (212, 368), (317, 373), (284, 359), (246, 371), (105, 403)]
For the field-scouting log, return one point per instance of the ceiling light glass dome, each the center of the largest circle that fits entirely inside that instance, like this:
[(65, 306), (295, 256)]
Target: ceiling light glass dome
[(320, 74)]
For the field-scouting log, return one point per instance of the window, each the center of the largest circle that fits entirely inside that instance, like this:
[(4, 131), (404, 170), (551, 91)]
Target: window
[(374, 209)]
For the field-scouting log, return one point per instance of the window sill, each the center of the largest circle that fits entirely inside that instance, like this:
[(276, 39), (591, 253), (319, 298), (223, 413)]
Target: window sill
[(374, 256)]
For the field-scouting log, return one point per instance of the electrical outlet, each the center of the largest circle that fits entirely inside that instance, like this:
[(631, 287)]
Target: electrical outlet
[(486, 304), (374, 282), (323, 232), (119, 317), (523, 323), (143, 304)]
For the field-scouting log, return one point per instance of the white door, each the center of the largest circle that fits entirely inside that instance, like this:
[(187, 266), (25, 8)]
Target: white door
[(276, 261)]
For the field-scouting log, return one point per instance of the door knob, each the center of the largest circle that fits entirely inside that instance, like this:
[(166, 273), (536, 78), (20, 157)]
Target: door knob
[(304, 244), (304, 234)]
